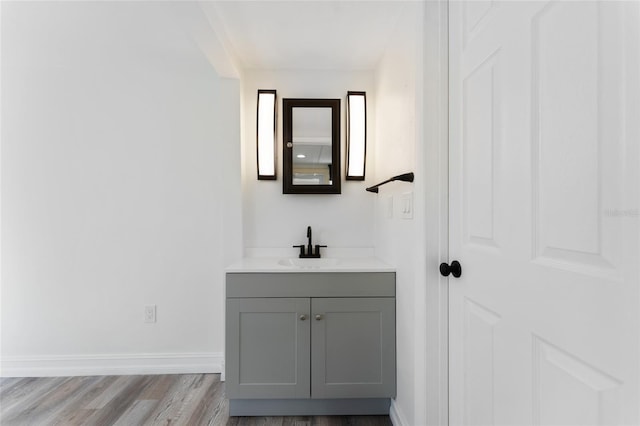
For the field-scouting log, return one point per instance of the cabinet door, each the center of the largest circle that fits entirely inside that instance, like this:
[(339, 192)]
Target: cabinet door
[(268, 344), (353, 348)]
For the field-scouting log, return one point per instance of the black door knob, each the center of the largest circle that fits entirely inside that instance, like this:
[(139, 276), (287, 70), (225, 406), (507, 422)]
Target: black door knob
[(454, 269)]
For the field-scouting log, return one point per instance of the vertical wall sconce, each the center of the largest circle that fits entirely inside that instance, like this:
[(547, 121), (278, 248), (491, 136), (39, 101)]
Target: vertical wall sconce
[(266, 134), (356, 135)]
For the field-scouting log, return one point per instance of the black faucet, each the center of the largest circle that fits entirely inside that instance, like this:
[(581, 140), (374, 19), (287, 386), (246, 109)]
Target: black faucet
[(309, 252)]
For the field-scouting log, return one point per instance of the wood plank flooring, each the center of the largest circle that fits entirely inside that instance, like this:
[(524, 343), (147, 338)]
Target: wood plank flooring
[(178, 399)]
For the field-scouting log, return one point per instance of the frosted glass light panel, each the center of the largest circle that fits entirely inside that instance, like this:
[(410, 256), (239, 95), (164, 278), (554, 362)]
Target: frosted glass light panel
[(356, 135), (266, 135)]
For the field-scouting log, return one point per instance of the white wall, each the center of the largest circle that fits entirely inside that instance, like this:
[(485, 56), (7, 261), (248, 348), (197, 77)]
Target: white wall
[(401, 242), (273, 220), (120, 188)]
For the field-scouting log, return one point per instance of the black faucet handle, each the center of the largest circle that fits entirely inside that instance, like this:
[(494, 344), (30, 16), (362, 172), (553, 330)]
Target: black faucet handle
[(318, 247), (301, 246)]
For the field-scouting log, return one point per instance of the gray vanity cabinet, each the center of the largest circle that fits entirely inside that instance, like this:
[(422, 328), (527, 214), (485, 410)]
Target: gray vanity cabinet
[(338, 342), (353, 347), (269, 354)]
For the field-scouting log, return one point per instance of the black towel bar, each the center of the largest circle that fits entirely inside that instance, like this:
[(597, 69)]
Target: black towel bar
[(406, 177)]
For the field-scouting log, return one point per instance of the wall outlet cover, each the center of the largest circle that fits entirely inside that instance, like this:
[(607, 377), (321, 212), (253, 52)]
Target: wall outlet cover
[(150, 313)]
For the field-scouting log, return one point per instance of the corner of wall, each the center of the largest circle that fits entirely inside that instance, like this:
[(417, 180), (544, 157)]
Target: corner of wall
[(397, 416), (216, 46)]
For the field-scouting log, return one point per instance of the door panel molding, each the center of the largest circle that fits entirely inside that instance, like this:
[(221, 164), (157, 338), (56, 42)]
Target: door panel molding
[(568, 126), (561, 379), (481, 148)]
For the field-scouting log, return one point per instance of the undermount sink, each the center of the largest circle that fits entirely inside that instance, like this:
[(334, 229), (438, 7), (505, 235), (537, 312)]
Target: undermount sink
[(308, 263)]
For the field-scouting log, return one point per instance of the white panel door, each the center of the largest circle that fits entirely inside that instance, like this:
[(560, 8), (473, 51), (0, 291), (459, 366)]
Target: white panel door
[(544, 213)]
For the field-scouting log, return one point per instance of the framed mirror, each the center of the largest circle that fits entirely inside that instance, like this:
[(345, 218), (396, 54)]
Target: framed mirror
[(311, 146)]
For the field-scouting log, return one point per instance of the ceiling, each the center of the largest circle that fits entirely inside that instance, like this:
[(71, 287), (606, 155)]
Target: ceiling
[(301, 34)]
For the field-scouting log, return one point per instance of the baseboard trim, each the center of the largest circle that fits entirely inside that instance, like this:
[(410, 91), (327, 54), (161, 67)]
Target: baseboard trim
[(115, 364), (309, 407), (397, 418)]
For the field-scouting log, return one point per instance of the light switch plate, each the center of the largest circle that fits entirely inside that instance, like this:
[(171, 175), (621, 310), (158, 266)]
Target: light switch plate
[(406, 205)]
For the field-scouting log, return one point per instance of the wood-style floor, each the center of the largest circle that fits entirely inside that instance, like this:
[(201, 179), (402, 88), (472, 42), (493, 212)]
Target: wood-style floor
[(179, 399)]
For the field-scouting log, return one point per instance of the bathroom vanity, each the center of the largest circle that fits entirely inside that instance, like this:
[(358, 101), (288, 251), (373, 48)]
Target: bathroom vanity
[(310, 340)]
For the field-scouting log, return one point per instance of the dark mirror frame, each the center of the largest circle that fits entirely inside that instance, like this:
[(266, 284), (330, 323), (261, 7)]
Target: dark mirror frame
[(287, 148)]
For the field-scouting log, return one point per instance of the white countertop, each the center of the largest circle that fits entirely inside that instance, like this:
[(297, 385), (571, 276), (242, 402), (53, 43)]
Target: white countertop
[(281, 264)]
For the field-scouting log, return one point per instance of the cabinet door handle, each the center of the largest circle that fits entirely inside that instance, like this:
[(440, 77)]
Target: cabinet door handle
[(318, 317), (303, 317)]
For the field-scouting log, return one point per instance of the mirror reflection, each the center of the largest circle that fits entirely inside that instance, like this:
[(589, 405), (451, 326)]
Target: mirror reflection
[(311, 138)]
